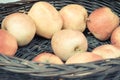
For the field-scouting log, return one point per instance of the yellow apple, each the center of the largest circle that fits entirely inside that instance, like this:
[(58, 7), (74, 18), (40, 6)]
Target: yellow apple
[(84, 57), (107, 51), (67, 42), (46, 57), (21, 26), (74, 17), (46, 17)]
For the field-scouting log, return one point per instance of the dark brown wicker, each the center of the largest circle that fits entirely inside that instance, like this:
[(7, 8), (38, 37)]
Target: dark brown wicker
[(100, 70)]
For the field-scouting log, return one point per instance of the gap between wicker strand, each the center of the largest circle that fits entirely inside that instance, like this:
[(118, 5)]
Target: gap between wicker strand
[(102, 68)]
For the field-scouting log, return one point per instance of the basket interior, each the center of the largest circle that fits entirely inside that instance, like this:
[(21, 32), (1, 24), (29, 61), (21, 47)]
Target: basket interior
[(40, 44)]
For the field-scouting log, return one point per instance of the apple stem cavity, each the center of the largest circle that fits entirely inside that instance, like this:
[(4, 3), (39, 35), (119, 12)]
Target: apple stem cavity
[(77, 49), (47, 61), (23, 11), (5, 28)]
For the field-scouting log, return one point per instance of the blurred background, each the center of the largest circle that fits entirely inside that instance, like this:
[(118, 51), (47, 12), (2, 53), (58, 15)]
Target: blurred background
[(7, 1)]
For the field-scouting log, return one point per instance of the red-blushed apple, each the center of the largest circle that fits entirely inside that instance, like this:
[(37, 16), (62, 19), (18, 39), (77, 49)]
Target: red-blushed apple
[(74, 17), (101, 22), (21, 26), (8, 43), (68, 42), (115, 37), (84, 57), (107, 51), (47, 57), (46, 17)]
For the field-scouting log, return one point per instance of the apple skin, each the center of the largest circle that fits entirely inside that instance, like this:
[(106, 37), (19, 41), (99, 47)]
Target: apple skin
[(46, 57), (47, 19), (84, 57), (21, 26), (107, 51), (115, 37), (68, 42), (101, 22), (74, 17), (8, 43)]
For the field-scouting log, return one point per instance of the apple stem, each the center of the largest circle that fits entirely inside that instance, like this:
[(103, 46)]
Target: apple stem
[(77, 49), (23, 11)]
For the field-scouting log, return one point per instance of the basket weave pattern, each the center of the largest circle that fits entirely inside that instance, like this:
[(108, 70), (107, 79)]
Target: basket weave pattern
[(100, 70)]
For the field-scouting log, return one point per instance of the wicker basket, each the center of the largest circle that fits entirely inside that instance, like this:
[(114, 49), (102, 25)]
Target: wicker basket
[(22, 64)]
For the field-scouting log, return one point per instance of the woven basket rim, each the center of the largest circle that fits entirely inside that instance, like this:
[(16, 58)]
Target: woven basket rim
[(18, 65)]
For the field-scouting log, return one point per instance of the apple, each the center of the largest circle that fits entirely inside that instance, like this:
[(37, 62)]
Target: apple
[(74, 17), (47, 57), (101, 22), (107, 51), (8, 43), (115, 37), (47, 19), (84, 57), (21, 26), (68, 42)]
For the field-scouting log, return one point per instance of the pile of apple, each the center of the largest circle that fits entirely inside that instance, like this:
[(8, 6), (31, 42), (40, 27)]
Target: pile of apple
[(65, 29)]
